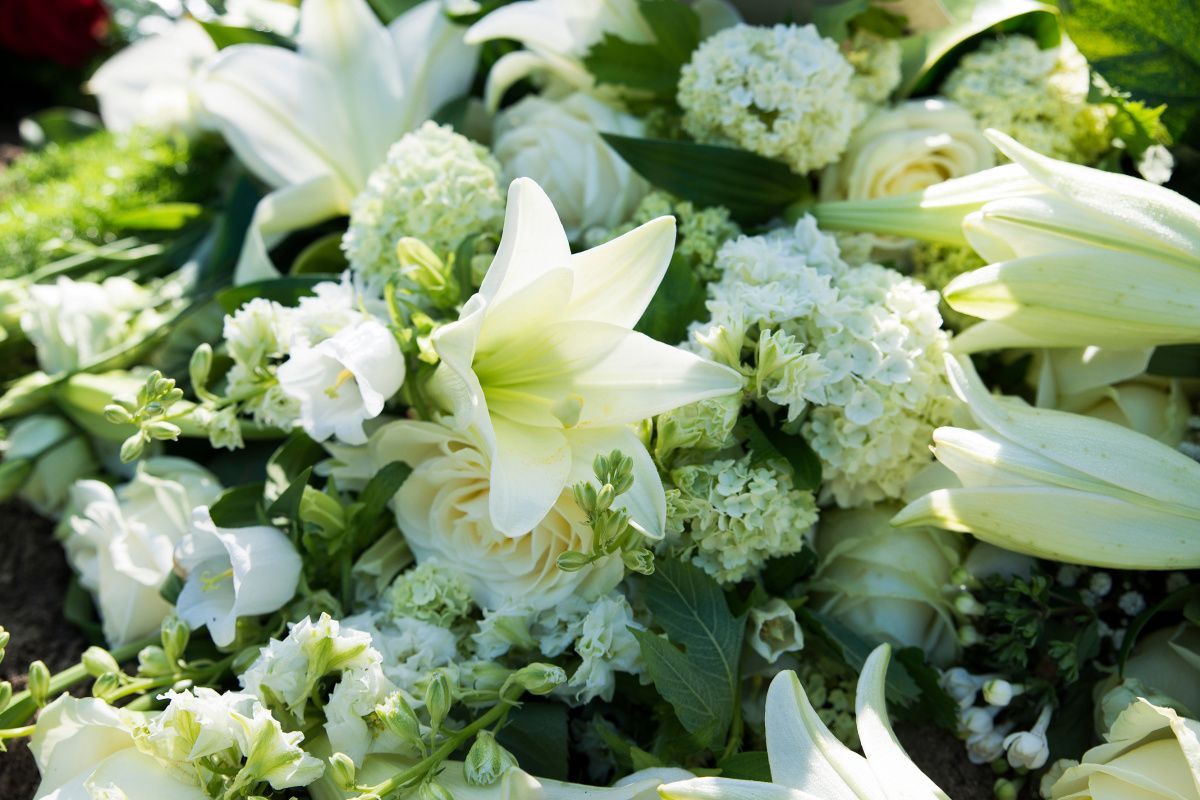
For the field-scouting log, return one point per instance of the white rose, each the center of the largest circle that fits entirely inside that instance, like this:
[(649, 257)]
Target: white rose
[(885, 584), (58, 455), (443, 511), (121, 541), (82, 745), (558, 144), (906, 149)]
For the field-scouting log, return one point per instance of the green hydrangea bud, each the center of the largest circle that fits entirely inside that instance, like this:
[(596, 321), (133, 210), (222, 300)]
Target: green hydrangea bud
[(487, 761), (342, 770), (39, 682), (97, 661)]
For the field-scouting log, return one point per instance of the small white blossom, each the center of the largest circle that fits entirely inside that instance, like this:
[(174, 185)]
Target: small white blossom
[(1132, 603), (606, 646), (1029, 749), (1100, 583)]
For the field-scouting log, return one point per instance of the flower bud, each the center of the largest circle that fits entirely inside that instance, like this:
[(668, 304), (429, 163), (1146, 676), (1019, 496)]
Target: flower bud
[(161, 430), (39, 682), (1004, 789), (984, 748), (399, 718), (105, 685), (573, 561), (538, 678), (97, 661), (342, 771), (438, 698), (432, 790), (976, 721), (639, 560), (118, 414), (585, 497), (175, 635), (153, 663), (5, 638), (200, 366), (999, 692), (132, 448), (968, 635), (967, 605), (6, 693), (487, 761), (1029, 749), (961, 685)]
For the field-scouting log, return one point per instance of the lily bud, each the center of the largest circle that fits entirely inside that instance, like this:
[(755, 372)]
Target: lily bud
[(342, 770), (97, 661), (438, 698), (39, 683), (175, 635), (1062, 486), (105, 685)]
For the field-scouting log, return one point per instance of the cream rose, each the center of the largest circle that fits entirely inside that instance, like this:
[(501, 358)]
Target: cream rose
[(442, 509), (906, 149), (1151, 752), (558, 144)]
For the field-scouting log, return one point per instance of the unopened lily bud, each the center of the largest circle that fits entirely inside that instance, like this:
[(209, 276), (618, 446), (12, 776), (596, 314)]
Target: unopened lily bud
[(153, 663), (39, 682), (105, 685), (175, 636), (97, 661), (200, 367), (342, 771), (539, 679), (438, 699), (432, 790), (132, 448), (163, 431), (117, 414), (399, 718), (6, 693), (487, 761)]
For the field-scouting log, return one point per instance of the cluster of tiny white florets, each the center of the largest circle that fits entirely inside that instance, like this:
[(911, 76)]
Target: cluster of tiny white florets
[(854, 354), (876, 63), (436, 186), (731, 515), (783, 92), (1039, 97), (432, 593)]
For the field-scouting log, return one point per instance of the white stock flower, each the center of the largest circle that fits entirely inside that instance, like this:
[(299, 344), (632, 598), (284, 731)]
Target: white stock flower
[(344, 381), (314, 122), (73, 323), (121, 541), (151, 82), (905, 149), (557, 143), (444, 510), (606, 646), (233, 572), (543, 361), (887, 584), (1062, 486), (809, 763), (60, 455)]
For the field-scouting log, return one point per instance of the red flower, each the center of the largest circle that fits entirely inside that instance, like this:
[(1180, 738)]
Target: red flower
[(65, 31)]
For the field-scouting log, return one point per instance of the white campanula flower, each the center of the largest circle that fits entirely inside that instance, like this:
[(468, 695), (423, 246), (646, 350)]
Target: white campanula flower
[(437, 186), (313, 123), (152, 82), (543, 361), (344, 380), (233, 572), (774, 630), (121, 540), (1072, 488), (783, 92), (809, 763), (557, 143)]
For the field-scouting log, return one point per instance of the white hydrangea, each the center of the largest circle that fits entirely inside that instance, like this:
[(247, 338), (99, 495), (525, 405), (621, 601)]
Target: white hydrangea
[(737, 515), (1039, 97), (854, 354), (410, 648), (437, 186), (783, 92), (876, 63), (433, 593)]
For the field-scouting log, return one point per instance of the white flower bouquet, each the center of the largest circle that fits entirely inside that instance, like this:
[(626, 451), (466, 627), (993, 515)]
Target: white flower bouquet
[(613, 398)]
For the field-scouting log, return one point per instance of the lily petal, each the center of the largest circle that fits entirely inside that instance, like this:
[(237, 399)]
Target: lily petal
[(532, 244), (898, 775), (616, 281), (283, 210), (436, 64), (508, 69), (731, 789), (523, 21), (529, 470)]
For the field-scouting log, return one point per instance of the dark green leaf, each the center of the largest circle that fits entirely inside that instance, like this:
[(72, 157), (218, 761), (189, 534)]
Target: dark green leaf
[(292, 457), (1176, 361), (677, 303), (650, 67), (285, 291), (388, 10), (239, 507), (767, 443), (700, 681), (58, 126), (80, 611), (833, 19), (1175, 601), (753, 188), (160, 217), (536, 733), (230, 235), (288, 502), (934, 705), (1149, 48), (780, 575), (228, 35), (171, 588), (676, 28), (322, 257), (382, 488), (751, 765), (853, 649)]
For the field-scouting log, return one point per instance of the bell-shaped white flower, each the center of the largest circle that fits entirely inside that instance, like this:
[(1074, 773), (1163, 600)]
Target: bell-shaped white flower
[(344, 381), (314, 122), (1062, 486), (233, 572), (809, 763), (544, 356)]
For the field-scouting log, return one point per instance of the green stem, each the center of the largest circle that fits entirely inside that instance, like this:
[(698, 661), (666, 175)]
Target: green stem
[(17, 733), (22, 708), (734, 743)]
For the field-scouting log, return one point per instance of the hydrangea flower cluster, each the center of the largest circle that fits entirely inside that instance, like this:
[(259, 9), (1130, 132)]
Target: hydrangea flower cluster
[(876, 63), (936, 264), (1038, 97), (436, 186), (783, 92), (854, 354), (731, 515), (432, 593)]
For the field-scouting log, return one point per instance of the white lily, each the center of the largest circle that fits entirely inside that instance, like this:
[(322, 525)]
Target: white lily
[(543, 359), (233, 572), (809, 763), (313, 123), (1062, 486)]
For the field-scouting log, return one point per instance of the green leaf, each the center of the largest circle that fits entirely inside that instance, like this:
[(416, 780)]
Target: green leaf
[(1181, 599), (934, 704), (853, 649), (381, 489), (700, 681), (1149, 48), (322, 257), (536, 733), (833, 19), (388, 10), (1175, 361), (80, 611), (677, 303), (288, 502), (239, 507), (58, 126), (285, 291), (753, 188), (228, 35), (651, 67), (768, 443), (231, 228), (928, 58), (751, 765), (171, 588), (159, 217), (292, 457)]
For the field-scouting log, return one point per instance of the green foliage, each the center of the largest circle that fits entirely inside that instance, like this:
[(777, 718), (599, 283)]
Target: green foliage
[(654, 67), (1146, 48), (285, 291), (767, 443), (701, 680), (228, 35), (83, 191), (837, 20)]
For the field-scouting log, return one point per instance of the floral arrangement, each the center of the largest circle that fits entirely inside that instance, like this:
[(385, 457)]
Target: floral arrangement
[(613, 398)]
